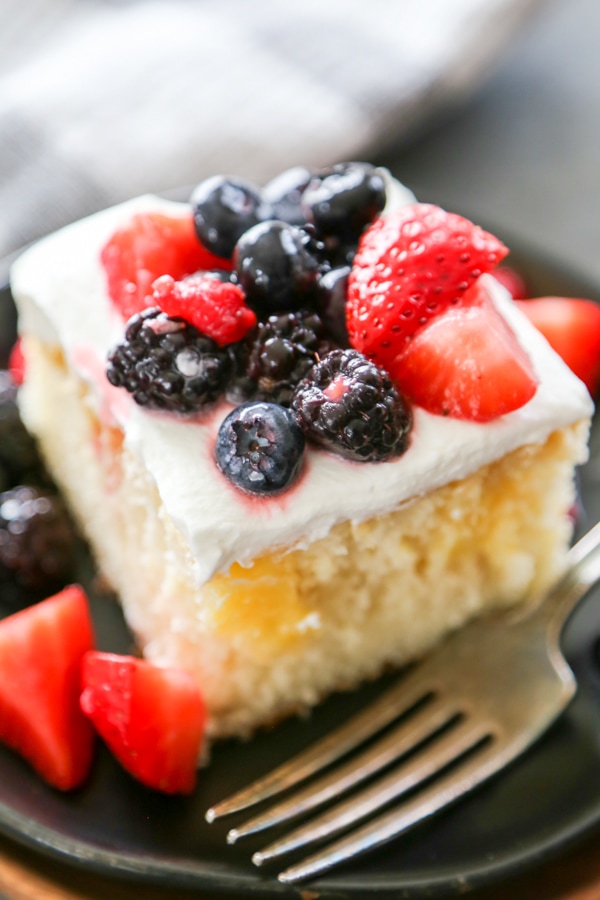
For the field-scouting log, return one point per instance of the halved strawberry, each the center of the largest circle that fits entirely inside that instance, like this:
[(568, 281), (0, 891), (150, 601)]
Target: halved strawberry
[(150, 245), (217, 309), (513, 281), (410, 267), (572, 327), (41, 649), (151, 718), (466, 364)]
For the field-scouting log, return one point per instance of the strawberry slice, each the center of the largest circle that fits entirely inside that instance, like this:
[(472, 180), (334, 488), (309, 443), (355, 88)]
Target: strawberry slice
[(410, 267), (217, 309), (466, 364), (151, 718), (572, 328), (41, 649), (150, 245)]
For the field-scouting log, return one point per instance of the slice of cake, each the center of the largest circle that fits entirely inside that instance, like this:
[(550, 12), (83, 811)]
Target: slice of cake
[(313, 468)]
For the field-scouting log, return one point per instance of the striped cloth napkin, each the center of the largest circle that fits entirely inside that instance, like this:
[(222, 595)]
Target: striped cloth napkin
[(103, 100)]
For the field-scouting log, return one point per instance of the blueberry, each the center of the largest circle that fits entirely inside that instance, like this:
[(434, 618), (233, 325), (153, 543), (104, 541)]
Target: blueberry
[(223, 208), (332, 291), (345, 199), (259, 448), (284, 193), (277, 267)]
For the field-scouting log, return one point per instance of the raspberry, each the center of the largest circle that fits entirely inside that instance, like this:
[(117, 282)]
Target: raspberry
[(148, 246), (349, 405), (260, 448), (410, 267), (168, 364), (37, 539), (277, 355), (215, 308)]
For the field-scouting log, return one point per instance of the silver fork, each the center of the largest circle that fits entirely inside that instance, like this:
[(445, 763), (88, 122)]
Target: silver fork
[(473, 706)]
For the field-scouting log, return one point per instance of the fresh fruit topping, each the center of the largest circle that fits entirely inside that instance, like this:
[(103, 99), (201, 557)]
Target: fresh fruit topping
[(332, 294), (16, 363), (223, 208), (151, 718), (277, 267), (342, 201), (20, 462), (41, 649), (215, 307), (260, 448), (466, 364), (572, 328), (37, 539), (277, 355), (150, 245), (513, 281), (349, 405), (410, 267), (284, 194), (168, 364)]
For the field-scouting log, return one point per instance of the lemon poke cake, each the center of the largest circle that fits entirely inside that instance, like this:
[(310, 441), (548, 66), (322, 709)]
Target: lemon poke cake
[(304, 429)]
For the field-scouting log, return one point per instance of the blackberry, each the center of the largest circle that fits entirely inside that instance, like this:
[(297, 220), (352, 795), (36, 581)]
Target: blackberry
[(349, 405), (277, 267), (37, 540), (20, 461), (168, 364), (277, 355), (284, 193), (332, 293), (260, 448), (223, 208), (345, 199)]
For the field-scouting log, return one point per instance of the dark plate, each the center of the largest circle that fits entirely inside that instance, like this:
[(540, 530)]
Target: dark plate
[(541, 804)]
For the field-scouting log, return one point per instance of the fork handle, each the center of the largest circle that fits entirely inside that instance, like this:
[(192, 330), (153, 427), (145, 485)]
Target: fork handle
[(582, 573)]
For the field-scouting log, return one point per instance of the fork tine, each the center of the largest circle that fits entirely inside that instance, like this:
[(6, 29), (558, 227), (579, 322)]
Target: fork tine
[(426, 763), (397, 700), (411, 732)]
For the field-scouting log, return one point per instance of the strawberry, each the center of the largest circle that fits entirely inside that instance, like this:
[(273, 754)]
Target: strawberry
[(151, 718), (148, 246), (513, 281), (410, 267), (16, 363), (572, 328), (215, 308), (41, 649), (466, 364)]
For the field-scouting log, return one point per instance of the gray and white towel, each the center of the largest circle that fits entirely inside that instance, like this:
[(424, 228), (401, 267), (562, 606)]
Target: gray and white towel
[(103, 100)]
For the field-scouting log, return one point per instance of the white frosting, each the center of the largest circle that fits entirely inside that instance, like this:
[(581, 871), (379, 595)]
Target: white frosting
[(60, 287)]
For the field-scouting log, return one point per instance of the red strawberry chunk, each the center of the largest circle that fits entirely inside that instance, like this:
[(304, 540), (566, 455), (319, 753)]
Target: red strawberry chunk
[(217, 309), (466, 364), (572, 328), (16, 363), (41, 649), (148, 246), (513, 281), (152, 719), (410, 267)]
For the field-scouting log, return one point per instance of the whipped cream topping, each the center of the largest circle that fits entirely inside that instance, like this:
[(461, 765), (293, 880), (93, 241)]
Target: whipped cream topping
[(60, 288)]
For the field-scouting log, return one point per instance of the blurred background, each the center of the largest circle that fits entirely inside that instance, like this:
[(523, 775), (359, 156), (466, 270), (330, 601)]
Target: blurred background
[(487, 107)]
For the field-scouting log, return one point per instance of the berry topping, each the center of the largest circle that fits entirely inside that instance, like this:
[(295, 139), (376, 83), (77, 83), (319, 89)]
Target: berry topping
[(41, 649), (344, 200), (284, 193), (148, 246), (513, 281), (168, 364), (16, 363), (277, 355), (277, 267), (572, 328), (213, 306), (260, 447), (332, 293), (467, 364), (223, 208), (350, 406), (410, 267), (151, 718), (20, 462), (37, 539)]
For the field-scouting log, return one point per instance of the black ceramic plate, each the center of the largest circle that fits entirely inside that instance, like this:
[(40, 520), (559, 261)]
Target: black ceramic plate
[(544, 802)]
